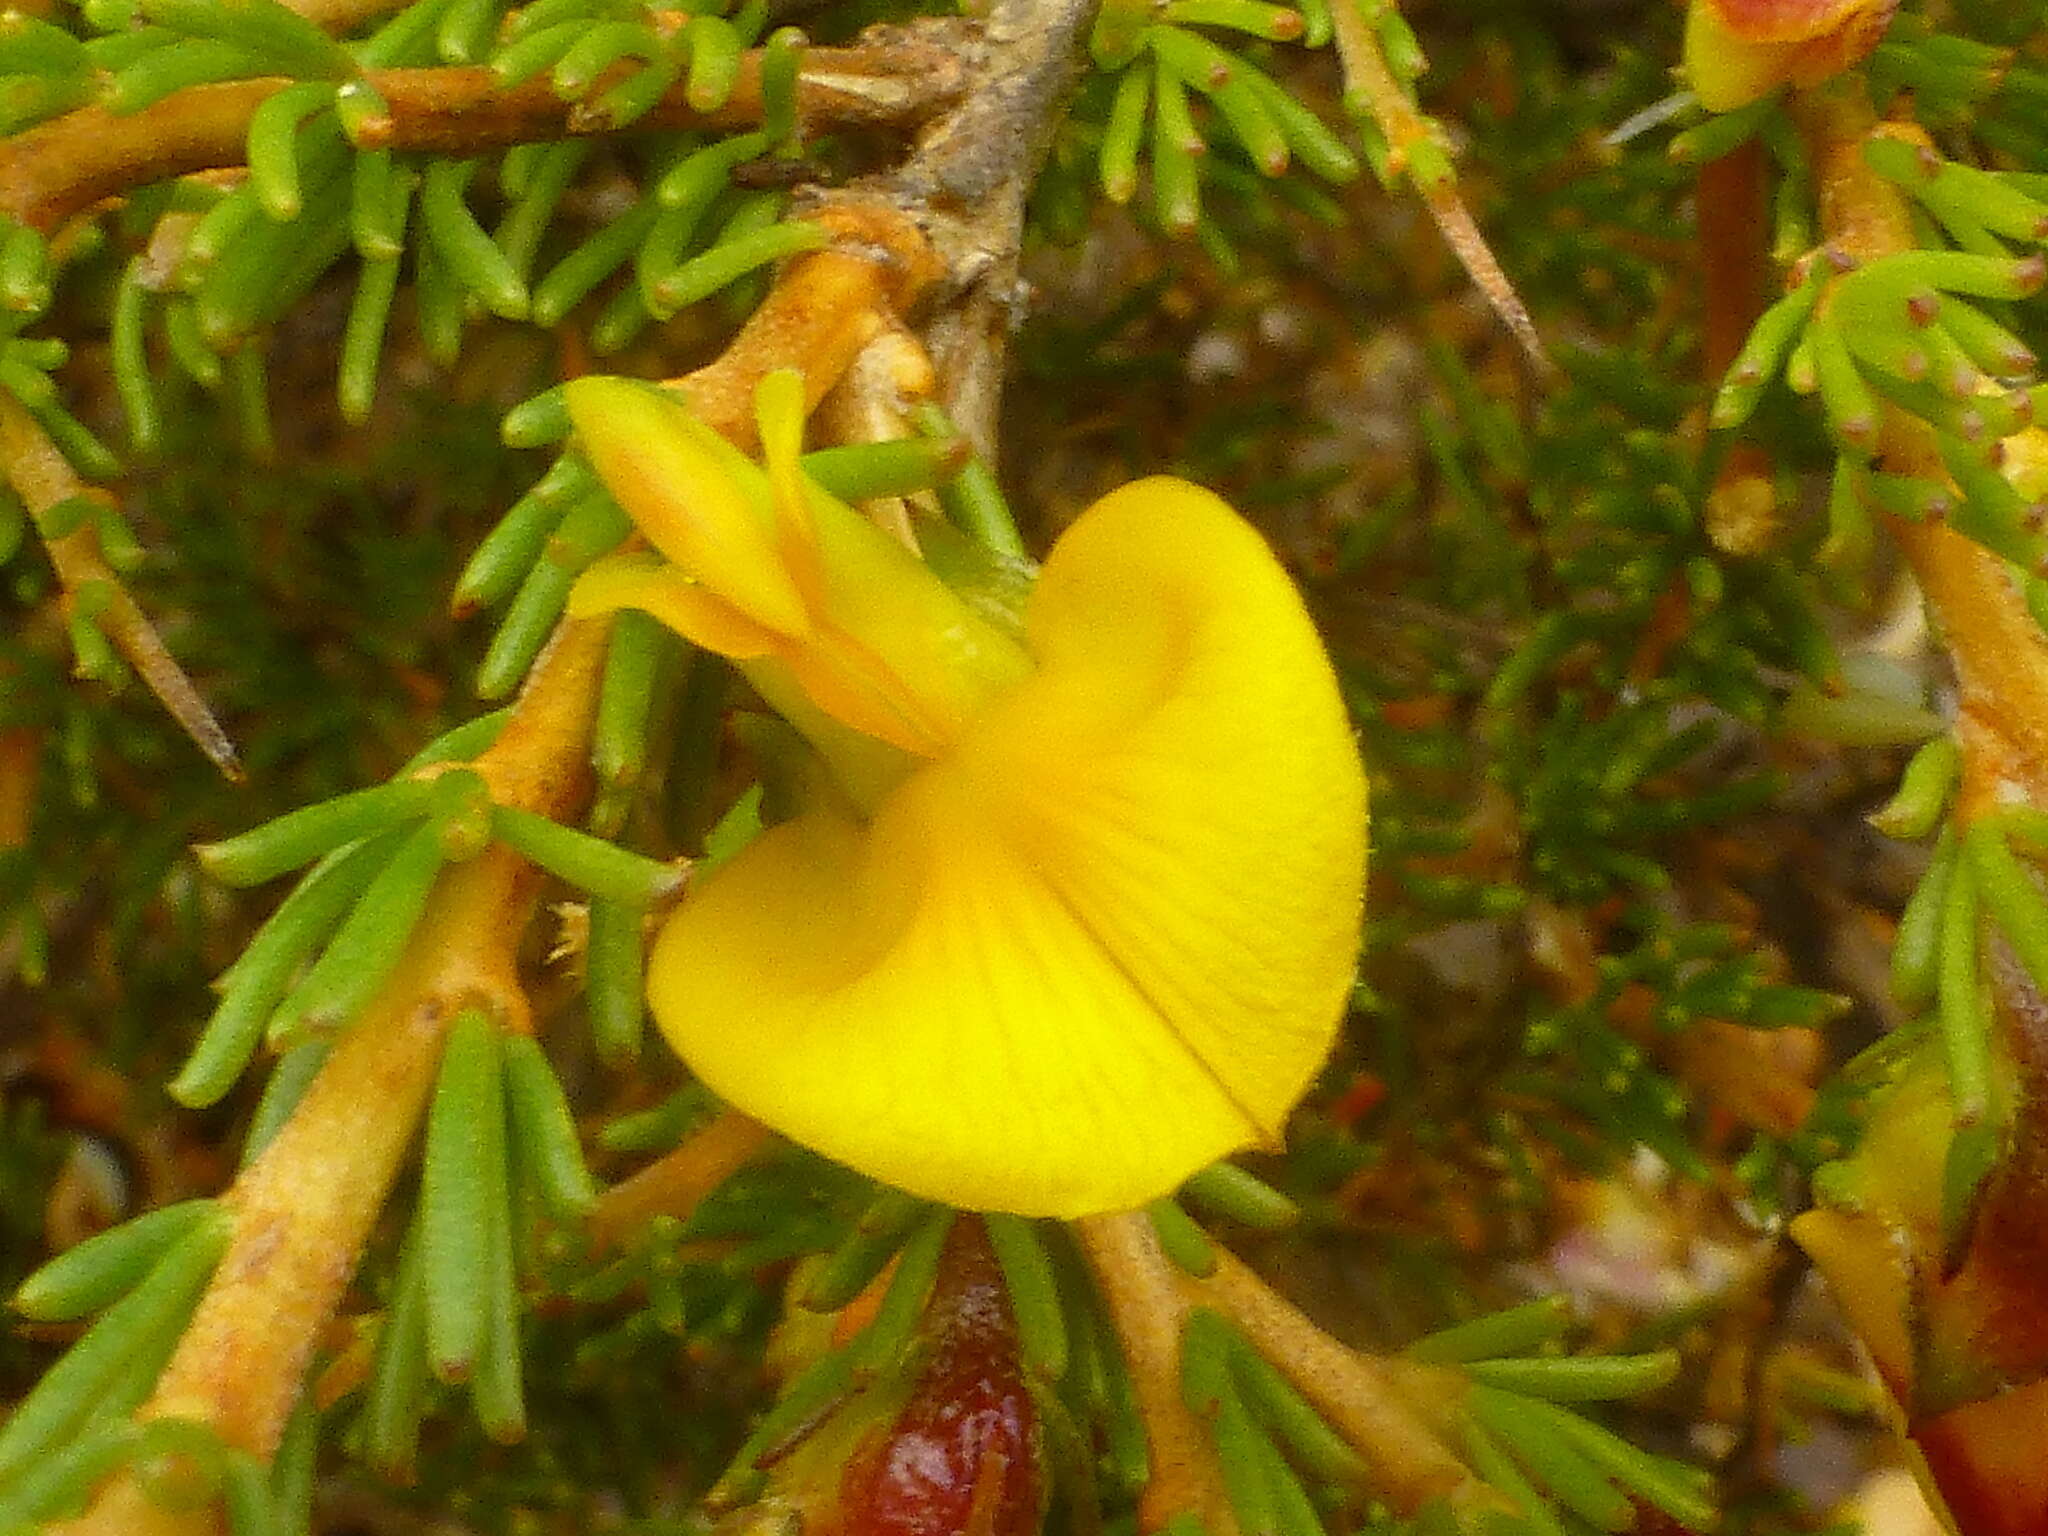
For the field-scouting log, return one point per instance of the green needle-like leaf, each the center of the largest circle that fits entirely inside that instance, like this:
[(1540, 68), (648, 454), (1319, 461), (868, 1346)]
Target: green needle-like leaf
[(141, 1325), (1182, 1238), (1516, 1331), (289, 1080), (1578, 1378), (1924, 790), (1276, 1403), (299, 837), (612, 992), (471, 256), (586, 531), (1029, 1277), (396, 1394), (256, 983), (273, 145), (496, 1388), (459, 1185), (730, 259), (879, 1347), (279, 34), (1117, 160), (544, 1131), (367, 947), (57, 1485), (1553, 1458), (102, 1269), (605, 870), (875, 1239), (1228, 1191)]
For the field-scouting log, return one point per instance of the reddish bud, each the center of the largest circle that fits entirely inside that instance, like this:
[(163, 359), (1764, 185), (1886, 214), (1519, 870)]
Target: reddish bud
[(962, 1459)]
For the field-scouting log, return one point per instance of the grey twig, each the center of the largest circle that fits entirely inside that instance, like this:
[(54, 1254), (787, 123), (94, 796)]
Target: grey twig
[(966, 183)]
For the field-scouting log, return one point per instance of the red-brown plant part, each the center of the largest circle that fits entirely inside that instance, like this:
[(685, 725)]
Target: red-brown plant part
[(962, 1458)]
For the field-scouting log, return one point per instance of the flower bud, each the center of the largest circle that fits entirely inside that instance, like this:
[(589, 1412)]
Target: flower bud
[(1737, 51), (963, 1457)]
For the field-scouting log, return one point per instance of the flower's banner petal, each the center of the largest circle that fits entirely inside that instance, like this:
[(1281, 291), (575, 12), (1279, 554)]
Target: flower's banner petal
[(698, 500), (944, 1027), (1184, 774), (1104, 941), (655, 587)]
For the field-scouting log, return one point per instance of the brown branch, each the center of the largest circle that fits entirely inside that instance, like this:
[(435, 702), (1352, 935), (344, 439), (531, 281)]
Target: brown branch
[(44, 480), (464, 110), (58, 169), (341, 17), (21, 755), (1148, 1304), (1733, 216), (305, 1208), (1367, 1400), (677, 1182)]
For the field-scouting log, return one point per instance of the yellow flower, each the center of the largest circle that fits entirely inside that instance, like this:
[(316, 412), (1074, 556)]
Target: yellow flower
[(1739, 50), (1074, 911)]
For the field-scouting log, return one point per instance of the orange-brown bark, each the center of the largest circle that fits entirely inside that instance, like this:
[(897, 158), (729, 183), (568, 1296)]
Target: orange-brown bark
[(56, 170)]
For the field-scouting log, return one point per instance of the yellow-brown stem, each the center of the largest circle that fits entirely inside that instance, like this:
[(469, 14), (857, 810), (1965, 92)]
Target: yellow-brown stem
[(1966, 1352), (873, 403), (1365, 1399), (675, 1183), (43, 479), (304, 1208), (823, 310), (1148, 1305)]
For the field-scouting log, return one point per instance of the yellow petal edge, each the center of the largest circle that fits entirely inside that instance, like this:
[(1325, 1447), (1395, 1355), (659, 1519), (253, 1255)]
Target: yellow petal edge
[(1103, 940)]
